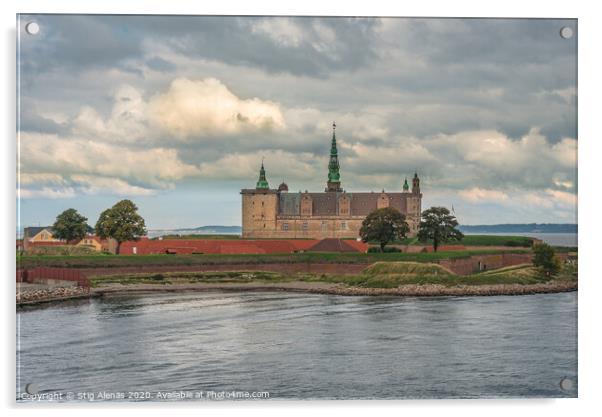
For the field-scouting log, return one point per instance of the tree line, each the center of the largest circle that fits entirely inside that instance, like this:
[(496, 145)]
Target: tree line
[(120, 222), (440, 226), (387, 224)]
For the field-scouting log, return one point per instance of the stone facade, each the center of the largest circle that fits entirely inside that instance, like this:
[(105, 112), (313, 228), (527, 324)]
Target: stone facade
[(334, 213)]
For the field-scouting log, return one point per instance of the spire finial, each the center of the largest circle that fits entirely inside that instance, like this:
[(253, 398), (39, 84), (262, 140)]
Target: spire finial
[(334, 177), (262, 183)]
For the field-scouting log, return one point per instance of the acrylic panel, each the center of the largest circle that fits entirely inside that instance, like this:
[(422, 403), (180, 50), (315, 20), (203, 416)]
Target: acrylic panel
[(220, 208)]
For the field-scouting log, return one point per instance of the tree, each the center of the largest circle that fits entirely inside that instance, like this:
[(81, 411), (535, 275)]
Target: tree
[(545, 258), (438, 225), (384, 225), (121, 222), (70, 225)]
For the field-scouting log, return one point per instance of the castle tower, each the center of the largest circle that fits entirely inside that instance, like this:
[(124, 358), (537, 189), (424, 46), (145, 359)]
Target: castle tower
[(262, 183), (415, 184), (406, 187), (414, 205), (259, 208), (334, 177)]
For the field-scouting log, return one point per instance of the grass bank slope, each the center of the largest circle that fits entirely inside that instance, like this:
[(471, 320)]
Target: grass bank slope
[(385, 275), (115, 261)]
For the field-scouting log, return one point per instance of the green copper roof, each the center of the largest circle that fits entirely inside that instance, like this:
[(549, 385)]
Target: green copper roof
[(333, 164), (406, 187), (262, 183)]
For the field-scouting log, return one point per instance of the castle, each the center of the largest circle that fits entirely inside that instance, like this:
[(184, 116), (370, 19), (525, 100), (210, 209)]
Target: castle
[(334, 213)]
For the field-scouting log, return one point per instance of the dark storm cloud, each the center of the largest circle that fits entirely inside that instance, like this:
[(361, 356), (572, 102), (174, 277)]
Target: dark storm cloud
[(403, 91), (32, 122), (109, 41)]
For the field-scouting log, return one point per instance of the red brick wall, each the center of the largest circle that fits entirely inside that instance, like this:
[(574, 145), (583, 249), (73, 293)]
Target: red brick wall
[(42, 274), (183, 246), (466, 266)]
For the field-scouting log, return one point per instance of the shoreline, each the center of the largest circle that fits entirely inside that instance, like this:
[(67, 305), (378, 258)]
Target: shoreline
[(425, 290)]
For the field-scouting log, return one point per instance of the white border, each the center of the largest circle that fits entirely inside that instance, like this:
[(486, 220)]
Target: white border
[(589, 187)]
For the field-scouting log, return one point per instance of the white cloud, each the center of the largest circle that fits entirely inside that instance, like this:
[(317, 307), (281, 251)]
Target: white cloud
[(562, 197), (279, 165), (40, 178), (104, 185), (208, 107), (282, 30), (157, 167), (480, 195), (126, 123), (47, 192)]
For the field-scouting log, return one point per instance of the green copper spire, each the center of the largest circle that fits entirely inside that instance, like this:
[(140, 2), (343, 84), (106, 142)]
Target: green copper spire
[(334, 176), (262, 183), (406, 187)]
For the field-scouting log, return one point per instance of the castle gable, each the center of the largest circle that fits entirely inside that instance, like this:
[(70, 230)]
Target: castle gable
[(330, 203)]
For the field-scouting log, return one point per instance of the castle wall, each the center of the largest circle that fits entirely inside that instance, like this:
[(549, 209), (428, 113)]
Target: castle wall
[(259, 213), (261, 219), (413, 212)]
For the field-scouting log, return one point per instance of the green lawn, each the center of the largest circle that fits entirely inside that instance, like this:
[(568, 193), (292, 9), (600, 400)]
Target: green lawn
[(478, 240), (379, 275), (114, 261)]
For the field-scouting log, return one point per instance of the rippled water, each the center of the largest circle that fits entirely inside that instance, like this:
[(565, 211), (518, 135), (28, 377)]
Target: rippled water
[(300, 346)]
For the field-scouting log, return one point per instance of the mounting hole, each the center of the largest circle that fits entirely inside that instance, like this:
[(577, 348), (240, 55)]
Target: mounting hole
[(31, 389), (566, 32), (32, 28), (566, 384)]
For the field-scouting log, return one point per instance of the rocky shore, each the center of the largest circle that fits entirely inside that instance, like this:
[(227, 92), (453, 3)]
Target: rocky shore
[(35, 296), (426, 290), (433, 290)]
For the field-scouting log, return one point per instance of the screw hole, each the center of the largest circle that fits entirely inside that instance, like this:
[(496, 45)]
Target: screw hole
[(32, 28), (566, 32)]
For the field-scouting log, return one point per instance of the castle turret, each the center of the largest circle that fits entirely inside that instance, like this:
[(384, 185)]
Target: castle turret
[(262, 183), (406, 187), (283, 188), (334, 177), (415, 184)]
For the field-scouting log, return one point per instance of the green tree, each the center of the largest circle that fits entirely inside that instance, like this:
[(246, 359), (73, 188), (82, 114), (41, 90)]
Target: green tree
[(121, 222), (440, 226), (384, 225), (545, 259), (70, 225)]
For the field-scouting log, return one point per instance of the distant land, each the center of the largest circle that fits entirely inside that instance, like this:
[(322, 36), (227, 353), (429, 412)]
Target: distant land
[(483, 228), (201, 230), (521, 228)]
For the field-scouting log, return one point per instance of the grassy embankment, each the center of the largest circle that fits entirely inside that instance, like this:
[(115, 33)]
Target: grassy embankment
[(115, 261), (379, 275), (479, 240)]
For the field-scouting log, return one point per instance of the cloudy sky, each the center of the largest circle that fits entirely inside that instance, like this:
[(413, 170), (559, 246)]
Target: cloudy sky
[(176, 113)]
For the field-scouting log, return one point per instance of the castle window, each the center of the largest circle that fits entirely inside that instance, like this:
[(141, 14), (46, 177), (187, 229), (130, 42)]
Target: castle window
[(344, 225), (284, 226), (324, 226), (305, 226)]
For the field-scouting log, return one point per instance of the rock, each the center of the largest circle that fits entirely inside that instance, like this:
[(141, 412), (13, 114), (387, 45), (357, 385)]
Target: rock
[(60, 293)]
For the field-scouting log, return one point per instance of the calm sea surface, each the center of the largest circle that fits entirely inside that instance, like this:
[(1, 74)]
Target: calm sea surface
[(302, 346), (556, 239)]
